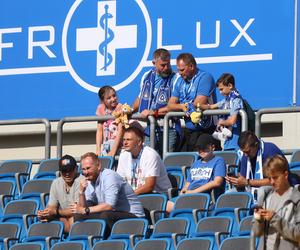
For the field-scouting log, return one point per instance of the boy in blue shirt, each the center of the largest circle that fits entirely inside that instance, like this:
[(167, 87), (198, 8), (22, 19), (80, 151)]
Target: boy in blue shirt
[(207, 173), (229, 126)]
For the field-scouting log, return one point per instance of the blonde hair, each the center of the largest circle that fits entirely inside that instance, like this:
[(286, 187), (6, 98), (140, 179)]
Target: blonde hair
[(275, 164), (94, 157)]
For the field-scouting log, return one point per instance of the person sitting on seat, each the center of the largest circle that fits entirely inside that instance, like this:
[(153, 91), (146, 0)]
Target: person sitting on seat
[(64, 191), (206, 174)]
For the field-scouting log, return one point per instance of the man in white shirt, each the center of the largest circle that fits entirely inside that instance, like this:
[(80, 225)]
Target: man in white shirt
[(141, 166)]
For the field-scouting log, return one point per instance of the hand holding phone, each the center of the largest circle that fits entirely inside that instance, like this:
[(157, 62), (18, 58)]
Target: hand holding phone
[(231, 174)]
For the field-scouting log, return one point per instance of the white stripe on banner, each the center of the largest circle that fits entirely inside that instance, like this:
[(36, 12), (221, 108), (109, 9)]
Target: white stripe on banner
[(33, 70), (225, 59), (199, 60)]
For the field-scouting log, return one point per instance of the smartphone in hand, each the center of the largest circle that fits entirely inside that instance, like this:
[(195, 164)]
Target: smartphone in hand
[(231, 174)]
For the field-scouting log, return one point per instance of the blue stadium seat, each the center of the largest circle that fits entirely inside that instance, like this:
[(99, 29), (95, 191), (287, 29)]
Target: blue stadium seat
[(69, 245), (130, 230), (87, 231), (37, 189), (9, 234), (245, 226), (111, 245), (46, 233), (7, 190), (196, 243), (295, 156), (154, 206), (48, 169), (107, 161), (234, 204), (230, 157), (192, 206), (217, 228), (157, 244), (176, 161), (17, 210), (236, 243), (17, 171), (27, 246), (174, 229)]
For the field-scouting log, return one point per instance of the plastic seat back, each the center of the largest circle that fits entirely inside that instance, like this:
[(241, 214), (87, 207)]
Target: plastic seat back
[(195, 244), (36, 189), (20, 207), (150, 244), (192, 206), (234, 204), (127, 228), (47, 169), (39, 232), (7, 190), (27, 246), (180, 159), (295, 156), (245, 226), (106, 161), (52, 229), (230, 157), (83, 230), (152, 203), (15, 210), (167, 228), (17, 171), (214, 224), (8, 231), (15, 166), (68, 245), (177, 162), (236, 243), (111, 245), (215, 227)]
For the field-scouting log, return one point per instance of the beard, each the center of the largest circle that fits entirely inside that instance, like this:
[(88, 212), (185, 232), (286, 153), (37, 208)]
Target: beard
[(166, 73)]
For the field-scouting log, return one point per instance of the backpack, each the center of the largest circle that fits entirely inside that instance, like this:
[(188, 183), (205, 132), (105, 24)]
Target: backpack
[(250, 114)]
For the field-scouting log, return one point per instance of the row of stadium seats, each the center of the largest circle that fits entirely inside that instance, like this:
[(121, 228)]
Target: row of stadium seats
[(127, 232), (193, 211)]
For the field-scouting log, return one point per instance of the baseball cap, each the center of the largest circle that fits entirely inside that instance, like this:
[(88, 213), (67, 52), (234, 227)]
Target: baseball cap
[(204, 141), (67, 163)]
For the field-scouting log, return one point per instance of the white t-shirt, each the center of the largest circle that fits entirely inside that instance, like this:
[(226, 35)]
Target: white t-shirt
[(148, 164)]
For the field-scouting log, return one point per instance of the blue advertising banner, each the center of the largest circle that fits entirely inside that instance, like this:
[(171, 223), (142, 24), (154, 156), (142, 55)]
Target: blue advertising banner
[(54, 55)]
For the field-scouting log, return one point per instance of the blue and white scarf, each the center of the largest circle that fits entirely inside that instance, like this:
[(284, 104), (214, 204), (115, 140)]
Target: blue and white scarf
[(147, 100), (258, 174), (229, 101)]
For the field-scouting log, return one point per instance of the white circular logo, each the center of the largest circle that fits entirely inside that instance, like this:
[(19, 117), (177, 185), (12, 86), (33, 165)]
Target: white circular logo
[(103, 40)]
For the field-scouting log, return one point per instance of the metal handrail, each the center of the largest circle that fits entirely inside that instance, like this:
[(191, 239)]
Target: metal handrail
[(44, 121), (97, 118), (262, 112), (242, 113)]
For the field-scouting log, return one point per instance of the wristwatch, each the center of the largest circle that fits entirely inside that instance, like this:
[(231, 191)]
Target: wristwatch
[(248, 183), (87, 211)]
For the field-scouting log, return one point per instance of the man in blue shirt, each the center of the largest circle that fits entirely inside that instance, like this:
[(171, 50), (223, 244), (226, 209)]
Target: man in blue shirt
[(155, 91), (103, 194), (192, 87)]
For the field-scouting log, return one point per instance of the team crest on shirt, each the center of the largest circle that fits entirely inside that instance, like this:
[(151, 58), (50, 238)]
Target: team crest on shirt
[(162, 98)]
